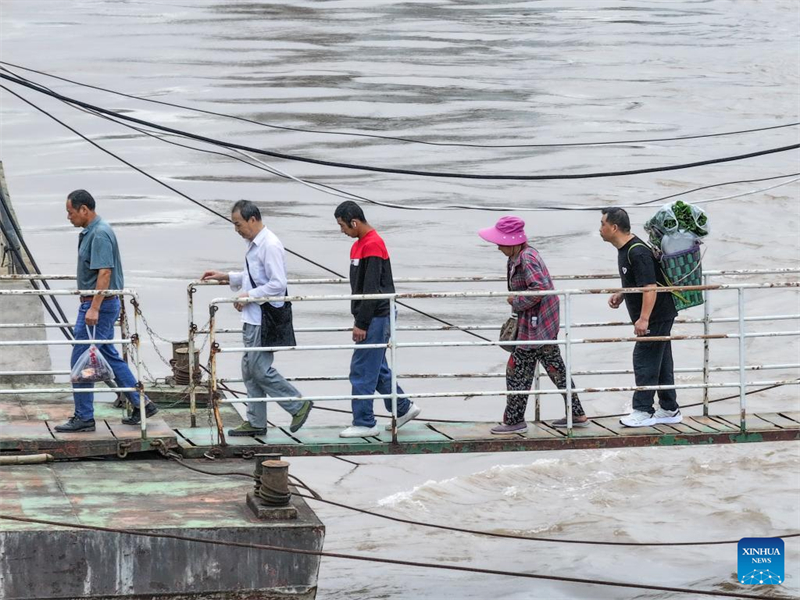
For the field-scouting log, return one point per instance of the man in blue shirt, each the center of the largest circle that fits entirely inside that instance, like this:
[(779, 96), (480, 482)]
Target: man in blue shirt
[(99, 268)]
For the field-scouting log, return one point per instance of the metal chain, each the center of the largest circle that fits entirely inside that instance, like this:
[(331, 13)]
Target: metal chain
[(205, 341), (153, 336)]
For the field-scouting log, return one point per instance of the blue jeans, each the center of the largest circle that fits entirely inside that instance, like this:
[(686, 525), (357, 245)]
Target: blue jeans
[(369, 373), (104, 330)]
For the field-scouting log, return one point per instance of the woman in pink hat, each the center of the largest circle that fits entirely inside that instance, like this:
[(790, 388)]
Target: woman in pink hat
[(538, 320)]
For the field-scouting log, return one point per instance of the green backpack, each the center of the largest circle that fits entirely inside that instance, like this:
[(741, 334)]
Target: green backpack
[(681, 268)]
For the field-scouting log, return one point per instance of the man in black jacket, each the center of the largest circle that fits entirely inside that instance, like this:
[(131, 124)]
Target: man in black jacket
[(370, 273)]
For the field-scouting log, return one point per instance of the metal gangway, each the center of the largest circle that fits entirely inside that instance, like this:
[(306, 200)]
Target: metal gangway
[(197, 427), (434, 436)]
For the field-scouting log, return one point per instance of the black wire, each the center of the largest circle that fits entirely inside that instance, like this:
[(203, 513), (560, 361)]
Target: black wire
[(220, 215), (397, 206), (59, 318), (369, 200), (375, 559), (417, 173), (396, 138)]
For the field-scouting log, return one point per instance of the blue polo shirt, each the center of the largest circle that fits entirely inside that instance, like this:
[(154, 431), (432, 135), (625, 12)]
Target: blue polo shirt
[(98, 249)]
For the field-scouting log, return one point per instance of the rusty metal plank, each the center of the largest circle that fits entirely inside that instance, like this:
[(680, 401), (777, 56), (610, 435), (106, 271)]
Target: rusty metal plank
[(673, 428), (470, 431), (207, 437), (543, 431), (591, 430), (12, 411), (697, 426), (13, 432), (102, 433), (794, 416), (156, 428), (711, 423), (779, 420), (328, 435), (614, 425), (752, 422), (413, 432)]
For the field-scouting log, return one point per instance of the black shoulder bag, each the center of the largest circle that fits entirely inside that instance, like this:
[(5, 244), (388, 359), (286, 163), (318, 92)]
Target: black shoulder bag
[(276, 323)]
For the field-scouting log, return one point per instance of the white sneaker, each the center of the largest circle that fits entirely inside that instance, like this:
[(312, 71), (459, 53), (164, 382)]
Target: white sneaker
[(667, 416), (413, 413), (358, 431), (638, 418)]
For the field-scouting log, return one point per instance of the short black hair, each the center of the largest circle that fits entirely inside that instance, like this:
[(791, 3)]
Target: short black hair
[(619, 217), (80, 198), (247, 209), (348, 211)]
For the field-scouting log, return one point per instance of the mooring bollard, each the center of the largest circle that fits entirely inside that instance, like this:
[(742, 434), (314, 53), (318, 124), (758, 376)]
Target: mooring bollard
[(275, 483), (259, 468), (271, 498)]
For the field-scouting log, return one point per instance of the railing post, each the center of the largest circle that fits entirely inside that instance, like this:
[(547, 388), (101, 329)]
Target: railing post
[(139, 384), (706, 344), (393, 362), (123, 327), (742, 381), (537, 375), (190, 346), (212, 374), (568, 358)]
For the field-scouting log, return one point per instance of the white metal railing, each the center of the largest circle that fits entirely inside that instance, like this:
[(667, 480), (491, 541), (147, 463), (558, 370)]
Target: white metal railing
[(125, 341), (568, 342), (194, 330)]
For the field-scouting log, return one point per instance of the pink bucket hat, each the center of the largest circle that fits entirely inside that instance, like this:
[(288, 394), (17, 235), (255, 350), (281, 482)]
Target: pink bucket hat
[(508, 231)]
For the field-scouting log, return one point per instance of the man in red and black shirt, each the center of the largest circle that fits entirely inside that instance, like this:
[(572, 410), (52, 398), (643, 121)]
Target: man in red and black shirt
[(370, 273)]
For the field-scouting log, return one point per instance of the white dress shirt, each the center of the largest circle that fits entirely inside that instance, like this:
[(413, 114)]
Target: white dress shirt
[(267, 260)]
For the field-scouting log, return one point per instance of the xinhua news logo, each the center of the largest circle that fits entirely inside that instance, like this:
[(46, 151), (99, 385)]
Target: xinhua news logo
[(761, 561)]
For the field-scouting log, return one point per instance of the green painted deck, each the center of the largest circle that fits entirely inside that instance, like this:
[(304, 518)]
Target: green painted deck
[(27, 427)]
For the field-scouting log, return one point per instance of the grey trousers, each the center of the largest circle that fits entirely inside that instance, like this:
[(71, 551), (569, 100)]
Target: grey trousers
[(261, 379)]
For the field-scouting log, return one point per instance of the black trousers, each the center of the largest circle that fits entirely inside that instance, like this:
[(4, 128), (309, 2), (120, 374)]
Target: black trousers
[(652, 365)]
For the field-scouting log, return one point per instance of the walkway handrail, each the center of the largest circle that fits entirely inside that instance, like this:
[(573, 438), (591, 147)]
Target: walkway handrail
[(568, 342), (133, 341)]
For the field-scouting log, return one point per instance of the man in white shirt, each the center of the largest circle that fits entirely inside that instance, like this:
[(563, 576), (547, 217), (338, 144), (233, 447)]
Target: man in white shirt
[(264, 275)]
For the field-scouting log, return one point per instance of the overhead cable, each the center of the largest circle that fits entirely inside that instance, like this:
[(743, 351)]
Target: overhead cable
[(218, 214), (328, 189), (57, 314), (397, 171), (398, 138)]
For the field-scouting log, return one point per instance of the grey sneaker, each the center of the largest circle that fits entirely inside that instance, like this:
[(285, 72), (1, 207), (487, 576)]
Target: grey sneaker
[(246, 429), (75, 425), (504, 429), (667, 416)]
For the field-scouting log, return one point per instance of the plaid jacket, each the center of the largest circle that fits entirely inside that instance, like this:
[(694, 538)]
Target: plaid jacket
[(527, 273)]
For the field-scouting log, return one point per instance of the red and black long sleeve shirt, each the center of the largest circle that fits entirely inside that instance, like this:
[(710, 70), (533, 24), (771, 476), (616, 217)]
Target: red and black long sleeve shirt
[(370, 273)]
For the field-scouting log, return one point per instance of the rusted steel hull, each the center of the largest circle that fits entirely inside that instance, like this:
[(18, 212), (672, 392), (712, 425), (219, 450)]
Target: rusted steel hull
[(155, 496)]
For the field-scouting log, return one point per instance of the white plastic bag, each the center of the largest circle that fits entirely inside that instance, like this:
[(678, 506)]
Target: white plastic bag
[(91, 366), (678, 241)]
